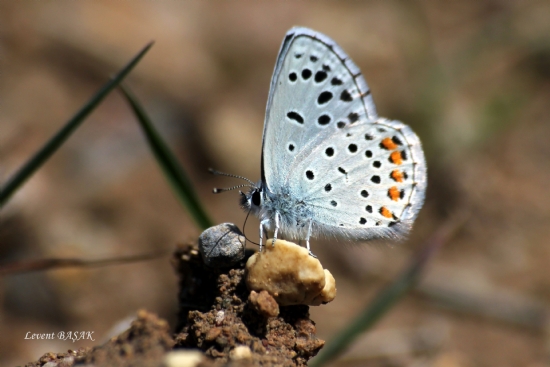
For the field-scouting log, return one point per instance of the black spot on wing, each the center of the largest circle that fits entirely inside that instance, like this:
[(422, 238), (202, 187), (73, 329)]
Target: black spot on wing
[(324, 97), (353, 117), (346, 96), (336, 81), (323, 120), (295, 116), (396, 140), (320, 76)]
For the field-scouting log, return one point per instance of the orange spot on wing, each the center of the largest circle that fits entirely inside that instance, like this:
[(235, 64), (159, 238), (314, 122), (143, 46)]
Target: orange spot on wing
[(385, 212), (394, 193), (397, 175), (389, 144), (396, 158)]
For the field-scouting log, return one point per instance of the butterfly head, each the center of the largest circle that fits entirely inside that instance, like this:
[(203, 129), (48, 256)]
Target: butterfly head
[(253, 199)]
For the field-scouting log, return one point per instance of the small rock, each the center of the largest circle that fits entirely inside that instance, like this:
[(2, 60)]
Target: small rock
[(220, 316), (212, 334), (183, 358), (48, 357), (241, 352), (222, 245), (329, 291), (264, 303), (66, 362), (290, 275)]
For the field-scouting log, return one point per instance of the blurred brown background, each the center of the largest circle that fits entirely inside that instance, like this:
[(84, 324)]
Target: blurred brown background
[(471, 77)]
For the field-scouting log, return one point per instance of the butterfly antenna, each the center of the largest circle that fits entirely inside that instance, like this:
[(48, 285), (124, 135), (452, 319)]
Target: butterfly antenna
[(218, 173), (218, 190)]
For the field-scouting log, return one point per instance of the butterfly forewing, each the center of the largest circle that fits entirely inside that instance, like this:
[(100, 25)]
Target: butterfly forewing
[(315, 89)]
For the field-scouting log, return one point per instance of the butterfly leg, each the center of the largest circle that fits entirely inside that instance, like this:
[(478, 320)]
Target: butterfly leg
[(276, 228), (307, 239), (262, 229)]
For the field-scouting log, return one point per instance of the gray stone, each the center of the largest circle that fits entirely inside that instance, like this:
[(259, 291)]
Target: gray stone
[(222, 245)]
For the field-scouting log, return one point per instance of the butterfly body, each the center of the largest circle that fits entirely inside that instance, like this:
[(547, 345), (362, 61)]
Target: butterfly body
[(291, 210), (330, 165)]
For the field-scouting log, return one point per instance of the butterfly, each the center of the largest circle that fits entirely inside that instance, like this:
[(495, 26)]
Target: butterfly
[(330, 165)]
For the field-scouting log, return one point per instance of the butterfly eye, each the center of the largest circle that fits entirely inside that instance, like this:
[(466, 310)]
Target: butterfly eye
[(256, 198)]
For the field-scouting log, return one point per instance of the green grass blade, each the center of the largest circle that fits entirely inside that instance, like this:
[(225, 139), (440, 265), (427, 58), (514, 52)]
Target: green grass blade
[(167, 161), (40, 157), (388, 297)]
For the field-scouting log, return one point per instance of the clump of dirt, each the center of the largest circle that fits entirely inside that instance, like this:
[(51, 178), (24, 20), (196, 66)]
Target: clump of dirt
[(60, 359), (144, 344), (229, 320), (216, 316)]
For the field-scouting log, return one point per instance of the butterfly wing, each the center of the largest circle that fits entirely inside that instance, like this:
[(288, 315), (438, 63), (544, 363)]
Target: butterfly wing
[(360, 176), (309, 70), (366, 180)]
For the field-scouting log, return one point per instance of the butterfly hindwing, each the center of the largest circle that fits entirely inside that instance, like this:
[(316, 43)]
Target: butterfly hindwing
[(363, 181)]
